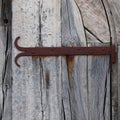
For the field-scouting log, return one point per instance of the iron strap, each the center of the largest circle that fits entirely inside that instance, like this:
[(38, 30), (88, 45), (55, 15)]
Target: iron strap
[(64, 51)]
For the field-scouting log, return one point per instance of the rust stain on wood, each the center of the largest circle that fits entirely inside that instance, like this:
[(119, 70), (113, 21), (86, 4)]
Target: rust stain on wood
[(47, 78), (70, 65), (35, 57)]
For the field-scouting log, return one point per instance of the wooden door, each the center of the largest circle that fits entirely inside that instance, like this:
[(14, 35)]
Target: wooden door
[(57, 88)]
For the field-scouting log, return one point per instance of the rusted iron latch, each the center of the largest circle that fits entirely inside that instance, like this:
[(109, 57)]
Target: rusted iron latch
[(63, 51)]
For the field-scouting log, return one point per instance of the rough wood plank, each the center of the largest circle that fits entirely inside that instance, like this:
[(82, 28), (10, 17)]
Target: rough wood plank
[(51, 66), (99, 86), (26, 89), (97, 31), (111, 9), (118, 82), (94, 11), (74, 69), (57, 87), (6, 63), (34, 76), (94, 18), (2, 58), (115, 12)]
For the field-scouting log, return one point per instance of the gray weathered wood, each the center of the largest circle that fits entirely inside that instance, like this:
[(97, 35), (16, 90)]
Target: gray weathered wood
[(118, 82), (99, 86), (74, 69), (112, 9), (62, 88), (26, 95), (1, 60), (115, 12), (94, 18), (107, 11), (51, 66), (5, 61)]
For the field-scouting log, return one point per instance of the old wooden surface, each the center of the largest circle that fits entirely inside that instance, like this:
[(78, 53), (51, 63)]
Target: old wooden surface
[(59, 87), (94, 14), (5, 61), (1, 61), (62, 88), (114, 12)]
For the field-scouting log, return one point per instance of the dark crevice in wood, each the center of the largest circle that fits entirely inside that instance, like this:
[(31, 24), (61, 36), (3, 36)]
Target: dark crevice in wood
[(63, 110), (7, 44), (5, 21), (41, 85), (70, 104), (40, 25), (46, 77), (93, 34)]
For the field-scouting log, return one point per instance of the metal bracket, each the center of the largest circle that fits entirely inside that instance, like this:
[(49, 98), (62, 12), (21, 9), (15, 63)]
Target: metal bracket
[(64, 51)]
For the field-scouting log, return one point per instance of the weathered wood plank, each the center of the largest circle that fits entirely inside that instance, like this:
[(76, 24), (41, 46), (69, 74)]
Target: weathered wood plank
[(74, 69), (115, 13), (26, 89), (118, 82), (2, 58), (6, 63), (111, 9), (34, 79), (94, 18), (62, 88), (99, 86), (51, 66), (97, 31)]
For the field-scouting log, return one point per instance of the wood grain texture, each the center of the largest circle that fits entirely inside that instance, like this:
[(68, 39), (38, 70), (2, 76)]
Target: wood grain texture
[(113, 16), (51, 66), (5, 63), (62, 88), (26, 95), (110, 14), (97, 28), (74, 68), (2, 58), (118, 81), (114, 6), (94, 18), (36, 92), (99, 86)]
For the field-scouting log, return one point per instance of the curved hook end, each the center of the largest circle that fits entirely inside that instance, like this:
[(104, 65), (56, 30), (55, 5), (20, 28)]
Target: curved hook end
[(16, 45), (16, 60), (16, 42)]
